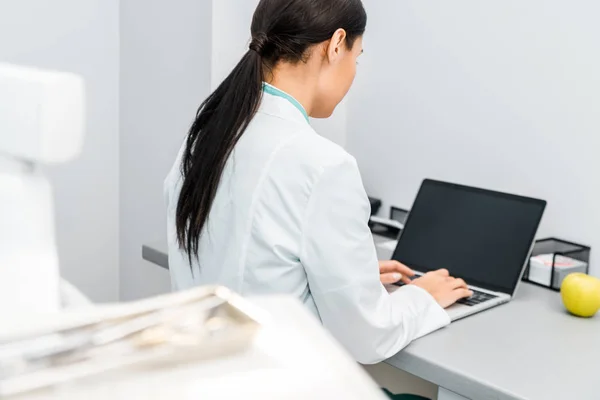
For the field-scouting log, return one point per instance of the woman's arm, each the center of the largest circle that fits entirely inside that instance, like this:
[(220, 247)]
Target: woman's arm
[(339, 256)]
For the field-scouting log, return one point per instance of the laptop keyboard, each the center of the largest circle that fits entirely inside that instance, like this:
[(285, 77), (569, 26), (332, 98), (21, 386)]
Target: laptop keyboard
[(477, 298)]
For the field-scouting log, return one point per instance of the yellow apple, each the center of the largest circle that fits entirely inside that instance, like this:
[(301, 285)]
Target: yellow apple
[(581, 294)]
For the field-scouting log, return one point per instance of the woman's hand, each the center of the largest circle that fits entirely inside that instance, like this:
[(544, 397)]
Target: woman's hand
[(393, 272), (445, 289)]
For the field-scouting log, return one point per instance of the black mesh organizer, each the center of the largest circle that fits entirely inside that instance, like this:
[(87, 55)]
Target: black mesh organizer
[(556, 248)]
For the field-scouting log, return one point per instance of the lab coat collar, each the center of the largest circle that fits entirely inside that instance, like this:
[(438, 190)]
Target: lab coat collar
[(278, 103)]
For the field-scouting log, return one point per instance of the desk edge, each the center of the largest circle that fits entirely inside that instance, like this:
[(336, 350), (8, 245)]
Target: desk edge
[(155, 256)]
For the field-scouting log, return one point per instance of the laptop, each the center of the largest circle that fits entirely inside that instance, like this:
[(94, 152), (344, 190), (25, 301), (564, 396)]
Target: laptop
[(481, 236)]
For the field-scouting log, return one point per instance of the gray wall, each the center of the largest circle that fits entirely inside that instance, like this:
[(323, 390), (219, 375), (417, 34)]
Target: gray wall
[(165, 75), (503, 95), (231, 21), (81, 37)]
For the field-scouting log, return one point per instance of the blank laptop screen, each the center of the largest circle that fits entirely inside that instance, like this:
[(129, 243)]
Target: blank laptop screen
[(481, 236)]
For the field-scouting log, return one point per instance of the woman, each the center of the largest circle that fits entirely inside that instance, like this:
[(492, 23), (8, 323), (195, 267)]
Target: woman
[(260, 203)]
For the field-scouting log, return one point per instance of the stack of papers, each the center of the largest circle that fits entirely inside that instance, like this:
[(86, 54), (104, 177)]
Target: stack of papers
[(540, 270)]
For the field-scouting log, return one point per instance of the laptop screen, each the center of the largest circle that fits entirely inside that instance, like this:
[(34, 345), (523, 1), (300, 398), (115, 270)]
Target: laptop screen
[(481, 236)]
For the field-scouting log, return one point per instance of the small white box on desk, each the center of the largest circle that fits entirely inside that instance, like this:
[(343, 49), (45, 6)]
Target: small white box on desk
[(540, 269)]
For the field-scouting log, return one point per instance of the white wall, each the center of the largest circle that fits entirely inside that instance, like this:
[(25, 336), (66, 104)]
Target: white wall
[(81, 37), (231, 21), (165, 75), (503, 95)]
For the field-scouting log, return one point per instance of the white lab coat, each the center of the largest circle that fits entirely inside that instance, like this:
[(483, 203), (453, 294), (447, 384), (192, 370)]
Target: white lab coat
[(290, 216)]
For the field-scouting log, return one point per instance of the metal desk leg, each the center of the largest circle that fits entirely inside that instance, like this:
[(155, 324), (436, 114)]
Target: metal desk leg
[(444, 394)]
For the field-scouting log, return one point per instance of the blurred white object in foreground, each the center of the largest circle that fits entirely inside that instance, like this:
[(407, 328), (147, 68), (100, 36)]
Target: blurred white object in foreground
[(41, 122), (290, 357)]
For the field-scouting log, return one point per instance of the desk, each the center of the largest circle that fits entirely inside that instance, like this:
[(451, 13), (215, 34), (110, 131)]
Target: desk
[(528, 349)]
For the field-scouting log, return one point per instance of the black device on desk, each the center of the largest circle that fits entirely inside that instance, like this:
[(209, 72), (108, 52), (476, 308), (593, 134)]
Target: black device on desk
[(398, 214), (375, 205), (389, 228), (481, 236)]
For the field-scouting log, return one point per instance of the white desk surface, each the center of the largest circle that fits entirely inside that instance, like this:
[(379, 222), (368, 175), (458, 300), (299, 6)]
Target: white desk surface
[(528, 349)]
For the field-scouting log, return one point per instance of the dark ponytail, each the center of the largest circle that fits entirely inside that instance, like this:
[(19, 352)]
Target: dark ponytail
[(282, 30)]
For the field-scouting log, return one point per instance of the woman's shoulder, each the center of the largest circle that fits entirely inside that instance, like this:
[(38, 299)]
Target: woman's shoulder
[(297, 144), (309, 149)]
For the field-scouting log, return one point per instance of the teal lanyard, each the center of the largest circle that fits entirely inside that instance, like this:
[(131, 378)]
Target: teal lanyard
[(272, 90)]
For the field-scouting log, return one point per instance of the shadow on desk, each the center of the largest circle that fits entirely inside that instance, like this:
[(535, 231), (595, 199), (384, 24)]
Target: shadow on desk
[(398, 381)]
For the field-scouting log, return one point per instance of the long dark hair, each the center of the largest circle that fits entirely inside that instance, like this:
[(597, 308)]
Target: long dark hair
[(282, 30)]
